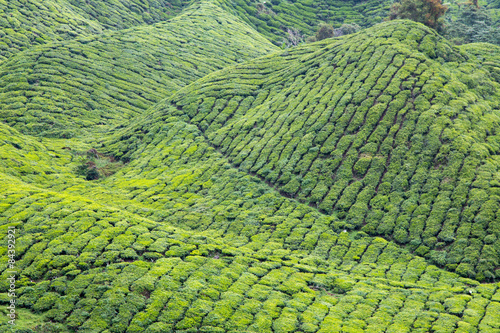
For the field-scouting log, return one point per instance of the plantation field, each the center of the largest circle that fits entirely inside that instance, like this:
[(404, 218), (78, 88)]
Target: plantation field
[(91, 84), (33, 22), (205, 256), (271, 18), (391, 130), (179, 172)]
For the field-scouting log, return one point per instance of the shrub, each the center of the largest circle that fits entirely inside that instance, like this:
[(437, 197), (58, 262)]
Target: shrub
[(96, 165), (311, 39), (46, 301), (347, 29), (324, 31), (293, 37)]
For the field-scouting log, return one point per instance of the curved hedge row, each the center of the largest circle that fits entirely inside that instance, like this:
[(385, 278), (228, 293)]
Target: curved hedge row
[(392, 130), (252, 200), (91, 84), (122, 14), (100, 257), (27, 23), (486, 54), (272, 18)]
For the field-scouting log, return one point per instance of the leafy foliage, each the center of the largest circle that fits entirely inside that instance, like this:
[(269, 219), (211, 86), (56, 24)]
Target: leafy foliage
[(293, 38), (34, 22), (367, 135), (346, 185), (92, 84), (473, 25), (428, 12), (95, 267), (95, 165), (324, 31), (486, 54), (327, 31), (274, 18)]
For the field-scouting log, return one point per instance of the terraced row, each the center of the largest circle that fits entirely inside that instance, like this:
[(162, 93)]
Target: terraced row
[(118, 15), (267, 264), (94, 83), (272, 18), (199, 230), (95, 267), (391, 130), (33, 22), (488, 55)]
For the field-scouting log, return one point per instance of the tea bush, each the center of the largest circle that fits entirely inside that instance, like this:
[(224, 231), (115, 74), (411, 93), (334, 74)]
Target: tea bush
[(28, 23)]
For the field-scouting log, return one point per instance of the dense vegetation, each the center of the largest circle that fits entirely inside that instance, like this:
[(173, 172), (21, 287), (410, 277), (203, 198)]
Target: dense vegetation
[(473, 24), (96, 82), (387, 138), (272, 18), (196, 244), (24, 23), (428, 12), (189, 176), (486, 54)]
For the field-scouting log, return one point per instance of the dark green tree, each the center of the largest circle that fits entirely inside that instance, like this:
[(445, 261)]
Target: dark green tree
[(428, 12), (349, 28)]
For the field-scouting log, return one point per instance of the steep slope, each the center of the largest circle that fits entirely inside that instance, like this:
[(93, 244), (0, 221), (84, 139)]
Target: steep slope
[(33, 22), (27, 158), (254, 261), (93, 83), (123, 14), (392, 130), (272, 18)]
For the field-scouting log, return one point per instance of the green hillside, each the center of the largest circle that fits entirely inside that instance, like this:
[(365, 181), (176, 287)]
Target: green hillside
[(27, 23), (92, 83), (227, 254), (24, 23), (189, 176), (397, 140), (33, 22), (272, 18), (486, 54), (123, 14)]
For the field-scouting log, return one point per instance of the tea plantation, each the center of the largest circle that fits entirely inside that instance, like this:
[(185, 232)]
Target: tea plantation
[(196, 245), (272, 18), (91, 83), (190, 176), (25, 23), (392, 130)]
